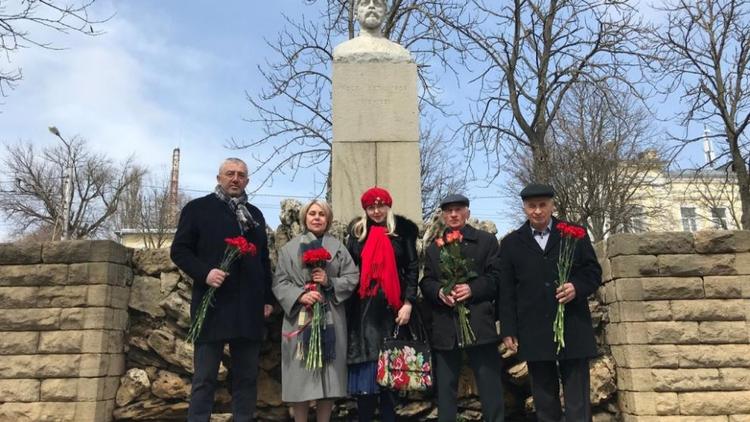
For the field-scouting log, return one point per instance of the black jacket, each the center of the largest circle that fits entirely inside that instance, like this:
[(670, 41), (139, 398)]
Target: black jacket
[(481, 248), (527, 304), (370, 320), (198, 247)]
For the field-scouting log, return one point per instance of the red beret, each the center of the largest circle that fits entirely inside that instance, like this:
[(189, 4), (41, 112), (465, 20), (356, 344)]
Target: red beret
[(376, 195)]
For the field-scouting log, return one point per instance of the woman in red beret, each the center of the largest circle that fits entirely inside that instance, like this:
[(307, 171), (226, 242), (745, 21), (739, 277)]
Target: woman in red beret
[(383, 246)]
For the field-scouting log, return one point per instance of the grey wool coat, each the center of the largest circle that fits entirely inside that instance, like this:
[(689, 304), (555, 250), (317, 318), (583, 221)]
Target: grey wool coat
[(298, 383)]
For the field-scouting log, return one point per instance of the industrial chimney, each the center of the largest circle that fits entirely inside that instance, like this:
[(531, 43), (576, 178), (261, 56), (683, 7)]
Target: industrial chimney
[(174, 187)]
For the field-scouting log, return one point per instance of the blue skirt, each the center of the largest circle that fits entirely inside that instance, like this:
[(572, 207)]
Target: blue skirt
[(362, 378)]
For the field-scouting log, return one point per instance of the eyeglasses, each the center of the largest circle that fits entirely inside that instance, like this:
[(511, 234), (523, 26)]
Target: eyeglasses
[(376, 207)]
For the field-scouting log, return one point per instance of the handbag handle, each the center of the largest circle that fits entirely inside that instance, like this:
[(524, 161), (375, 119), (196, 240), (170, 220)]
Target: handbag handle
[(420, 334)]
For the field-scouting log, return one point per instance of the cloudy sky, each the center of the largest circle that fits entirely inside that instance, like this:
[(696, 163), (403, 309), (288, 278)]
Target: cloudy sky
[(164, 74)]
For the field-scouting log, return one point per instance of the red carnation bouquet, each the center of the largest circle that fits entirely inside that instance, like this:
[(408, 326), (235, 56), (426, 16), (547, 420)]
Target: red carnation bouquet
[(236, 247), (454, 269), (570, 236), (314, 348)]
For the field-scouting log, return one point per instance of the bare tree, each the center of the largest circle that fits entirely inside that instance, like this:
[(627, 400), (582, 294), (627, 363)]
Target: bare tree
[(294, 110), (38, 200), (440, 173), (149, 211), (530, 53), (705, 55), (22, 22), (602, 155)]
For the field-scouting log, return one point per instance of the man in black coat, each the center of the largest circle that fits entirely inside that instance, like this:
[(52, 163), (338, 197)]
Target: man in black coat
[(243, 295), (528, 302), (479, 296)]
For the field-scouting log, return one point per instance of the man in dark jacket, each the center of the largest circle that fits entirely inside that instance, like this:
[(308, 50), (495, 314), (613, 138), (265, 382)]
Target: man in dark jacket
[(479, 296), (528, 301), (243, 295)]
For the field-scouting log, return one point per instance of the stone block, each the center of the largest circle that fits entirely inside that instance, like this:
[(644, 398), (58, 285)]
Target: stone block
[(609, 293), (735, 378), (606, 265), (722, 241), (100, 273), (645, 311), (655, 243), (93, 318), (712, 356), (725, 287), (39, 366), (680, 380), (723, 332), (102, 341), (396, 170), (18, 342), (696, 265), (357, 173), (662, 288), (386, 90), (60, 341), (95, 410), (739, 418), (145, 295), (672, 332), (638, 418), (152, 261), (648, 403), (742, 264), (79, 389), (20, 253), (73, 251), (635, 379), (714, 403), (33, 275), (626, 333), (19, 390), (709, 310), (646, 356), (634, 266), (61, 296), (169, 281), (39, 412), (29, 319), (17, 297)]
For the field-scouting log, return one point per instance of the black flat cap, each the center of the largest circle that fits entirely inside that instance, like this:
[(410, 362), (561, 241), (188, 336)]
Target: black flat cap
[(537, 190), (454, 198)]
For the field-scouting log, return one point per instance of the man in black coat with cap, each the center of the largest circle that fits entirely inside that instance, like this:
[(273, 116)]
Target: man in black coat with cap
[(479, 296), (243, 295), (528, 302)]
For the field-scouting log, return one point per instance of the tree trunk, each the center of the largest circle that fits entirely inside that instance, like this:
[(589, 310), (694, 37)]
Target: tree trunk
[(541, 167), (743, 181)]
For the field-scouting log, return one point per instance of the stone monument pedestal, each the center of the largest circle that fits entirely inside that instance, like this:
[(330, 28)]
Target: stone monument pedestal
[(375, 133)]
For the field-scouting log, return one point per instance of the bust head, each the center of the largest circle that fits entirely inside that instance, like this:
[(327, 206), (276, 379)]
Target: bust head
[(370, 14)]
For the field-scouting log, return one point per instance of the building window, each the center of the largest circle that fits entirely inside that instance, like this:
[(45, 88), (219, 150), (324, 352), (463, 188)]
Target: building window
[(719, 218), (689, 219), (636, 223)]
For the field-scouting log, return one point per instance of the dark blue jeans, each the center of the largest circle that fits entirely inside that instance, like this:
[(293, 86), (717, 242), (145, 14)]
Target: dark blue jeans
[(243, 373)]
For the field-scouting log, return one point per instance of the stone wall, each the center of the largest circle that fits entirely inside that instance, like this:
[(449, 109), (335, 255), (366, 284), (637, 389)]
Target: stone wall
[(679, 330), (92, 331), (63, 311)]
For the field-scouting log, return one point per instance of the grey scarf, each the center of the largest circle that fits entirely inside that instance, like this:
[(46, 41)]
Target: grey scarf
[(238, 205)]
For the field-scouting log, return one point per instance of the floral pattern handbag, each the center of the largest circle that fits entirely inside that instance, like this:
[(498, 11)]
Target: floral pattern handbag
[(405, 364)]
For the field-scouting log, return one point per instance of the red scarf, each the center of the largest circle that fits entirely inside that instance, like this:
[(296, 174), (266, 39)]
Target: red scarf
[(379, 265)]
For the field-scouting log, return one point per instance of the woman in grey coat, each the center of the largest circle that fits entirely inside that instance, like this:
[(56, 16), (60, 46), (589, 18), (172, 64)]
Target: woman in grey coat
[(335, 282)]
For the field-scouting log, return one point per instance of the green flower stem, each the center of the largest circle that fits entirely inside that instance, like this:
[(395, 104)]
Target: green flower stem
[(200, 316)]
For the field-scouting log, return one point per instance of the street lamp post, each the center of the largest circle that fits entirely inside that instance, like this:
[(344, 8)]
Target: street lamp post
[(67, 187)]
